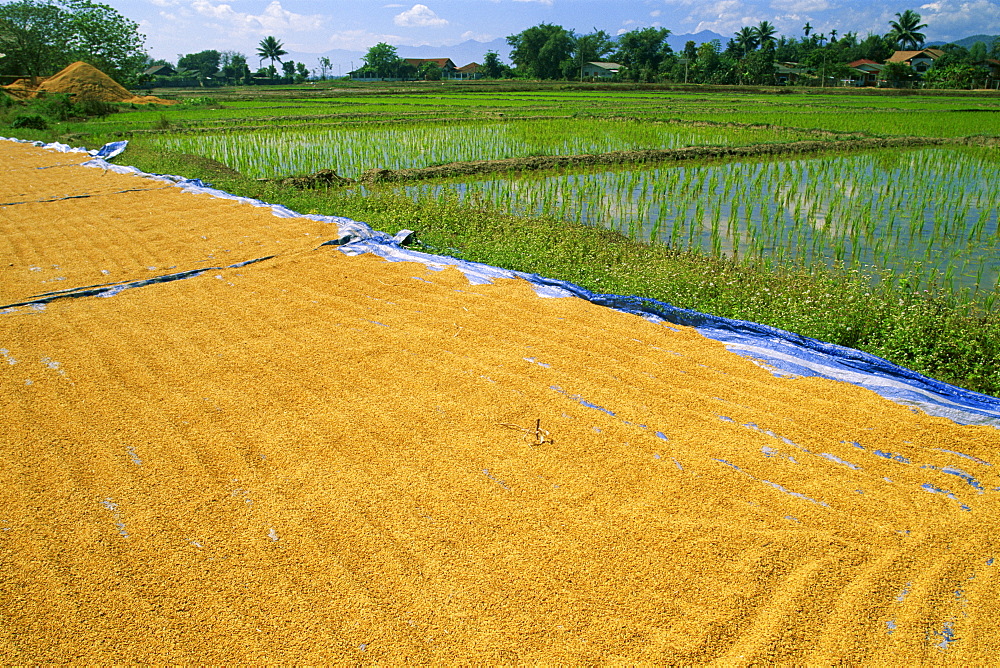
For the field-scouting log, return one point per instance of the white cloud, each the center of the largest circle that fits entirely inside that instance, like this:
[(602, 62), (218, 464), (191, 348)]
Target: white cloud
[(418, 16), (800, 6), (477, 36), (955, 20), (274, 18), (655, 13)]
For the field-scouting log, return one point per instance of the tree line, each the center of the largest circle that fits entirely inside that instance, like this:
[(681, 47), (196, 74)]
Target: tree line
[(39, 37), (232, 68), (751, 56)]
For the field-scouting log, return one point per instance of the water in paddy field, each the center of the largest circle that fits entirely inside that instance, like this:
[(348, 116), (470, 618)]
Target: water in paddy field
[(353, 150), (932, 212)]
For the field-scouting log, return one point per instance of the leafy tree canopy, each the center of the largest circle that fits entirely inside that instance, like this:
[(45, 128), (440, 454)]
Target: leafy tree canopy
[(270, 49), (643, 51), (40, 37), (541, 51), (905, 30), (383, 60), (493, 67), (204, 63)]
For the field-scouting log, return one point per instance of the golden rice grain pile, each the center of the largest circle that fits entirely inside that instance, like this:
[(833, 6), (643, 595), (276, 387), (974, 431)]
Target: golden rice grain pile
[(82, 81)]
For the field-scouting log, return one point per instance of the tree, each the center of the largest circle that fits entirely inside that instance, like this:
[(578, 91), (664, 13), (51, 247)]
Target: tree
[(233, 67), (32, 34), (270, 49), (746, 39), (430, 71), (978, 53), (593, 47), (897, 73), (956, 75), (764, 32), (711, 66), (873, 47), (953, 55), (381, 61), (807, 29), (324, 66), (492, 67), (301, 73), (758, 68), (643, 51), (288, 69), (106, 39), (41, 37), (904, 31), (541, 51), (205, 64)]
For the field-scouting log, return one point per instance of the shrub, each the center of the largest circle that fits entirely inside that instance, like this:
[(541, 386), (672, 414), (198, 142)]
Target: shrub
[(29, 121)]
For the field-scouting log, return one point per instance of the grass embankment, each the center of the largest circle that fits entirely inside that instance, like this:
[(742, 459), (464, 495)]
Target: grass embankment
[(931, 331)]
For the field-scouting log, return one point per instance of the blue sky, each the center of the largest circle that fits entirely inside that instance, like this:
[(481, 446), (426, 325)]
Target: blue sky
[(175, 27)]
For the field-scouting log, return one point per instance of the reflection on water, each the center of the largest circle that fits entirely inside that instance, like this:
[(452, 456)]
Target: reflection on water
[(932, 212)]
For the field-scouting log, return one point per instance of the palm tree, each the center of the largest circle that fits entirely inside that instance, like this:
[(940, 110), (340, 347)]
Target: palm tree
[(904, 31), (746, 39), (765, 32), (807, 29), (271, 49), (833, 34)]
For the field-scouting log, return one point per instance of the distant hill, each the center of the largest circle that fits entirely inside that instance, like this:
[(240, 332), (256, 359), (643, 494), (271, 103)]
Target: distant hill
[(967, 42)]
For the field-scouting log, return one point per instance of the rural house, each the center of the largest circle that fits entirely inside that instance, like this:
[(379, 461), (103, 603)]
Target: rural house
[(920, 61), (470, 71), (447, 66), (788, 73), (865, 72), (600, 70)]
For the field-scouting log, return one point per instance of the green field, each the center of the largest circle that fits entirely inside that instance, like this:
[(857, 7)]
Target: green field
[(894, 251)]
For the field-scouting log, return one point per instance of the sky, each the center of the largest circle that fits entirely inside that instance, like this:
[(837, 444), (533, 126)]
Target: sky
[(174, 27)]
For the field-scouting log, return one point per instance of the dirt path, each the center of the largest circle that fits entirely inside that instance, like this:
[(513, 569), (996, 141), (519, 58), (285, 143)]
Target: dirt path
[(320, 458)]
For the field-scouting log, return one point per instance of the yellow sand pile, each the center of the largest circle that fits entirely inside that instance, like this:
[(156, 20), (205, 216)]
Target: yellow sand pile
[(82, 82), (319, 458)]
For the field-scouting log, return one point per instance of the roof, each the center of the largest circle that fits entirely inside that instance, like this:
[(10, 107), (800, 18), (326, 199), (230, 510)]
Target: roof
[(443, 63), (606, 66), (159, 69), (863, 61), (471, 67), (905, 56)]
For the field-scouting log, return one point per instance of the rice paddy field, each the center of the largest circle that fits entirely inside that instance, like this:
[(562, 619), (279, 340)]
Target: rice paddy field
[(920, 213)]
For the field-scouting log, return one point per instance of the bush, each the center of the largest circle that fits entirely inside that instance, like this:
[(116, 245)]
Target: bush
[(29, 121), (91, 107)]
